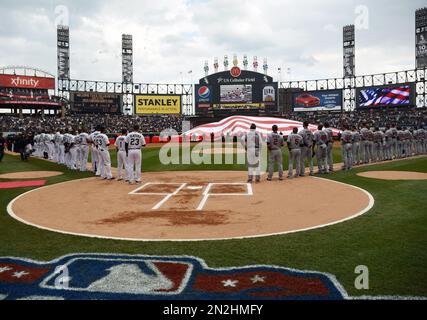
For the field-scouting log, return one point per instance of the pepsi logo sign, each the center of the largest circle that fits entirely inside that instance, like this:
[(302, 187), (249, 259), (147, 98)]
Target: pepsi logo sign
[(204, 92)]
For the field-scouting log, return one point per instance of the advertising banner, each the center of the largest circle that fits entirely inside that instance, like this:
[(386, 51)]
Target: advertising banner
[(330, 100), (157, 104), (26, 82)]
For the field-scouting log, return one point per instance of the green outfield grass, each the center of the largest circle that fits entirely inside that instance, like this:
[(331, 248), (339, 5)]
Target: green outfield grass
[(150, 162), (390, 239)]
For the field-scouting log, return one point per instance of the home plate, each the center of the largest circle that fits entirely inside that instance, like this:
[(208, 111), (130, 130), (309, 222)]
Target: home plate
[(195, 187)]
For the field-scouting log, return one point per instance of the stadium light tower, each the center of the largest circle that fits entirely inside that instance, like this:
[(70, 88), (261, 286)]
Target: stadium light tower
[(421, 38)]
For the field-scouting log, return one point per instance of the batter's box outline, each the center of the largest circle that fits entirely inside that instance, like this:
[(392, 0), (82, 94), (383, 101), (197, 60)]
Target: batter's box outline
[(180, 186)]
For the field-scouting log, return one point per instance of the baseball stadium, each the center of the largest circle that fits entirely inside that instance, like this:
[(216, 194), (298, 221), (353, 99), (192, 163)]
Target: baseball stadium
[(241, 185)]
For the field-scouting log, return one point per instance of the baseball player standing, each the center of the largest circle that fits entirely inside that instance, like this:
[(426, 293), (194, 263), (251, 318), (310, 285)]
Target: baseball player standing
[(294, 145), (252, 143), (135, 141), (347, 145), (84, 149), (356, 146), (306, 149), (388, 154), (366, 145), (400, 142), (330, 148), (321, 143), (274, 144), (96, 168), (122, 160), (408, 142), (394, 144), (102, 142), (378, 153)]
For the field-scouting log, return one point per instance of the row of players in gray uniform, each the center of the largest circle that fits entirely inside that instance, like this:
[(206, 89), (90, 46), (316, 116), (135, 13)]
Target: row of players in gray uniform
[(302, 145), (358, 147), (368, 145), (72, 150)]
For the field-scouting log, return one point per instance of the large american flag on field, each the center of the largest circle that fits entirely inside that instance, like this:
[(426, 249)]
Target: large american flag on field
[(384, 96), (238, 125)]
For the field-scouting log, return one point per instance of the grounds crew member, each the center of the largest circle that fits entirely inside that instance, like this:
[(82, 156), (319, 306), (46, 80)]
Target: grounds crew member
[(347, 146), (321, 143), (122, 160), (275, 144), (135, 141), (330, 148), (306, 149), (252, 143), (294, 145)]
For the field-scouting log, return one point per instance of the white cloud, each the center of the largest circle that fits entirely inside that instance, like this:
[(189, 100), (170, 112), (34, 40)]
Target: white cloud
[(173, 36)]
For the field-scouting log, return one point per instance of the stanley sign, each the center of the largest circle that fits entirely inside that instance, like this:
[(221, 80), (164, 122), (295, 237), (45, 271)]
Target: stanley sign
[(157, 104)]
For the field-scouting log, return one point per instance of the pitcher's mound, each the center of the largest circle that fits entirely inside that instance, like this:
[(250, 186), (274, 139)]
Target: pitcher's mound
[(202, 205), (394, 175), (30, 175)]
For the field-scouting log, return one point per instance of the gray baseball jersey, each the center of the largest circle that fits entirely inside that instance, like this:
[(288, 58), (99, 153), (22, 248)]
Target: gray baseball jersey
[(378, 136), (275, 141), (330, 134), (346, 137), (389, 135), (295, 141), (320, 137), (356, 136), (307, 137)]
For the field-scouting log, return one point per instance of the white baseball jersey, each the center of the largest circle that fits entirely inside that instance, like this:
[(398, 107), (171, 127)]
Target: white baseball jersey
[(102, 141), (121, 143), (58, 138), (83, 137), (93, 136), (135, 140)]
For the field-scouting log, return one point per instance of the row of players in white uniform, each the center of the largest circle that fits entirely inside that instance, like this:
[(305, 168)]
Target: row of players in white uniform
[(73, 151), (358, 146)]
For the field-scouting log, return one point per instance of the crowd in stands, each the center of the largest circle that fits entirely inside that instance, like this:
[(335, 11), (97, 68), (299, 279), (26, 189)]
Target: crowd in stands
[(375, 118), (154, 124), (112, 123)]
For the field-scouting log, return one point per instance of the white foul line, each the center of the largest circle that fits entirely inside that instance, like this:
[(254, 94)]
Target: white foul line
[(157, 206)]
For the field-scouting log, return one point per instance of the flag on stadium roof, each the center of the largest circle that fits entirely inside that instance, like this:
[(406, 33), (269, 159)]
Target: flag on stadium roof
[(238, 125)]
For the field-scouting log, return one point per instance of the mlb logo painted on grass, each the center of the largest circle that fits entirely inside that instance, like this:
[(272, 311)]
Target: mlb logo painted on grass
[(92, 276)]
